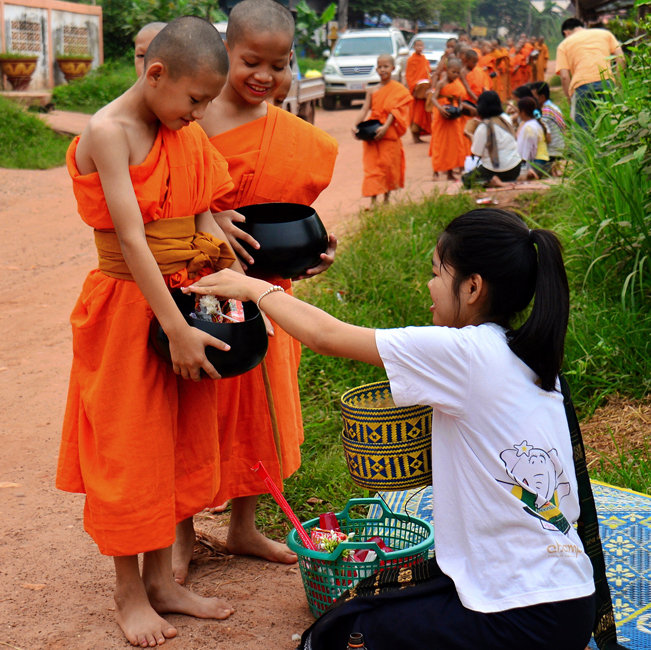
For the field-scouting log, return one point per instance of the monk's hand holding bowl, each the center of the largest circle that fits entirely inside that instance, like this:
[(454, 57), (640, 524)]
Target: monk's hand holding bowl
[(381, 132), (227, 221), (327, 260)]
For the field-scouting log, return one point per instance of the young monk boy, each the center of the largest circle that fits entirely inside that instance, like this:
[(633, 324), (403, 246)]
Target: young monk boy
[(384, 157), (273, 156), (418, 72), (141, 43), (447, 146), (139, 438)]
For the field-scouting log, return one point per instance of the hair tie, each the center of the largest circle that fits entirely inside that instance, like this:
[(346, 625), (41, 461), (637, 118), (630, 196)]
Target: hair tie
[(537, 114)]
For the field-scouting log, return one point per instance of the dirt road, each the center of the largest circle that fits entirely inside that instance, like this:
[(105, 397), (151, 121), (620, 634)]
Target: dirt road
[(55, 589)]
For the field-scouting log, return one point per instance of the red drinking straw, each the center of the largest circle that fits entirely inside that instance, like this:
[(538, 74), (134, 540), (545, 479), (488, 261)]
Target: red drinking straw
[(285, 507)]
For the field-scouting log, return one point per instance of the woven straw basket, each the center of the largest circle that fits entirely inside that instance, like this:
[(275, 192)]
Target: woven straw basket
[(387, 447)]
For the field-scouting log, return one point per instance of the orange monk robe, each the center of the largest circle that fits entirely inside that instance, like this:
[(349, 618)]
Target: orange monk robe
[(520, 70), (139, 441), (447, 147), (478, 81), (487, 63), (527, 49), (418, 70), (502, 83), (541, 63), (384, 160), (277, 158)]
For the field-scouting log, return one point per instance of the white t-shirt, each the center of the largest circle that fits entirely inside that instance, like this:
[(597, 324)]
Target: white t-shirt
[(506, 146), (497, 438)]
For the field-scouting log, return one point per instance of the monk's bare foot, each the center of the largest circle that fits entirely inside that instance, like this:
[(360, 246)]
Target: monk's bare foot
[(182, 550), (217, 509), (253, 542), (451, 176), (141, 625), (170, 597)]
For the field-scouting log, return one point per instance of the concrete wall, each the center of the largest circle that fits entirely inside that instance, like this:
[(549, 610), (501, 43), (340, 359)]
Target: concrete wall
[(48, 28)]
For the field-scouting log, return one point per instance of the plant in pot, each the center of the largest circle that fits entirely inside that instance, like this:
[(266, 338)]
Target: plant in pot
[(74, 65), (18, 68)]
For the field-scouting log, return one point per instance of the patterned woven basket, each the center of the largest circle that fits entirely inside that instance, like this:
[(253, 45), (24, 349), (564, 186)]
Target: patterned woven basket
[(387, 447)]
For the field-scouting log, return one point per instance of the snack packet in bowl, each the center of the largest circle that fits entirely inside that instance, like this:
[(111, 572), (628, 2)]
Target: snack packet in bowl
[(211, 308)]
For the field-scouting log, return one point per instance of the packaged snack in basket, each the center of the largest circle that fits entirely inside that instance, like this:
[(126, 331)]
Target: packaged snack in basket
[(381, 543), (328, 540), (328, 521), (210, 308)]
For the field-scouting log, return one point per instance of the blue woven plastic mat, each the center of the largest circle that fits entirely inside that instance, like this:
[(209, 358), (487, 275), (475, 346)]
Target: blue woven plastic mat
[(625, 529)]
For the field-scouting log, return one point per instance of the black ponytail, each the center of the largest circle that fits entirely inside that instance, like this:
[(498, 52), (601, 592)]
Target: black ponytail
[(518, 265)]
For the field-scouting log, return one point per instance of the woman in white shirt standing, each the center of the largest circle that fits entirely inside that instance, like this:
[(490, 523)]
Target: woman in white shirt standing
[(532, 139), (494, 144), (510, 570)]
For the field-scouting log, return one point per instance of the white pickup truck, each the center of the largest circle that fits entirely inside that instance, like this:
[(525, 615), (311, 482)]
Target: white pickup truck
[(303, 95)]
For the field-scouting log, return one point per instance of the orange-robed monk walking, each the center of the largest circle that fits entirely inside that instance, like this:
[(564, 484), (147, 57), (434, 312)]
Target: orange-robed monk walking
[(384, 157), (447, 146), (273, 156), (418, 73), (140, 435)]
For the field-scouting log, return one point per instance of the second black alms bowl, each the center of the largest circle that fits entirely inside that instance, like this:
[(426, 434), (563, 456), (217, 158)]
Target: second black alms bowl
[(291, 238), (248, 340), (367, 130)]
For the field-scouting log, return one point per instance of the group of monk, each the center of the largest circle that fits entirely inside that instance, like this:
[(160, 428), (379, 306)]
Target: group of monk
[(466, 69), (159, 174)]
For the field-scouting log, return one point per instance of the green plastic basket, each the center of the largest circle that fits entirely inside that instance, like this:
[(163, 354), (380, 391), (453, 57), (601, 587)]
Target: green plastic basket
[(327, 575)]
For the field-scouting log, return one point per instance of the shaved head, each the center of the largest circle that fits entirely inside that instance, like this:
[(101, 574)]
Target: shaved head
[(187, 45), (254, 16), (153, 28), (454, 63), (387, 58), (469, 54)]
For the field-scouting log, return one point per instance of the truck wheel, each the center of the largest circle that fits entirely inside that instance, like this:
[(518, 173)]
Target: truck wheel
[(306, 111), (329, 102)]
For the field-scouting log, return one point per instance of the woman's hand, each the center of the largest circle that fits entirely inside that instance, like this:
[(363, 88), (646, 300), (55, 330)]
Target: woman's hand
[(227, 221), (228, 284), (327, 259)]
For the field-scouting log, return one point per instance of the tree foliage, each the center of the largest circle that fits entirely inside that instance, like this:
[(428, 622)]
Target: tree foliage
[(308, 24), (123, 19)]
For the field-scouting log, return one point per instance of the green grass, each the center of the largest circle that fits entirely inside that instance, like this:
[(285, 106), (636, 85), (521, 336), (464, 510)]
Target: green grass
[(99, 87), (26, 142), (379, 280)]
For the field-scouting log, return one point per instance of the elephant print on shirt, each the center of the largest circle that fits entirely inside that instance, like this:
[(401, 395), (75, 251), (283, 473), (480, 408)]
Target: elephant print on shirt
[(539, 484)]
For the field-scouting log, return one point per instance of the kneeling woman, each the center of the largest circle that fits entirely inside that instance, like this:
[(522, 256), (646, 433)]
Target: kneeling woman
[(510, 569)]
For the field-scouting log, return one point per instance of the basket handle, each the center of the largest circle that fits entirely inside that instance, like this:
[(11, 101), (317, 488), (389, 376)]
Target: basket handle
[(362, 501)]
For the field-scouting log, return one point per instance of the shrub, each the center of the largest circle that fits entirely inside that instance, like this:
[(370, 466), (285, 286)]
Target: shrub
[(99, 87)]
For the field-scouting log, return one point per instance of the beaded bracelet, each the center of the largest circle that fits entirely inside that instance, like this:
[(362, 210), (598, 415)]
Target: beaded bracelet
[(271, 289)]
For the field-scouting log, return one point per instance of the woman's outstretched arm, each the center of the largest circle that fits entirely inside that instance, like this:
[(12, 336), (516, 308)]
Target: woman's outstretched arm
[(312, 326)]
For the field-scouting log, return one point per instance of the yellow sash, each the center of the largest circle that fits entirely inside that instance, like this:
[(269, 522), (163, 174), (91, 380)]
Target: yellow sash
[(175, 245)]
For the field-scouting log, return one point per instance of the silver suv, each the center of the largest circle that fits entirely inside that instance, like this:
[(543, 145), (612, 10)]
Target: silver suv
[(350, 68)]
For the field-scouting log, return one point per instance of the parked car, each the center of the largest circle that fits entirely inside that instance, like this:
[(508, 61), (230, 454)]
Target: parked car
[(434, 45), (350, 68), (303, 95)]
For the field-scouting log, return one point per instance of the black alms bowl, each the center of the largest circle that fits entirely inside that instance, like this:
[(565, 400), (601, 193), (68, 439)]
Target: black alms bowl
[(291, 238), (248, 340), (367, 130)]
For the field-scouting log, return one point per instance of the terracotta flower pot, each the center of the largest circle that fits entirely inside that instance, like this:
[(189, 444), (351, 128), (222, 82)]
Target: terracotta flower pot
[(75, 68), (19, 71)]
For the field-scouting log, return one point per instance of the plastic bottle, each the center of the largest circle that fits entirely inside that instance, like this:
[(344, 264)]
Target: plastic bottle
[(356, 641)]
